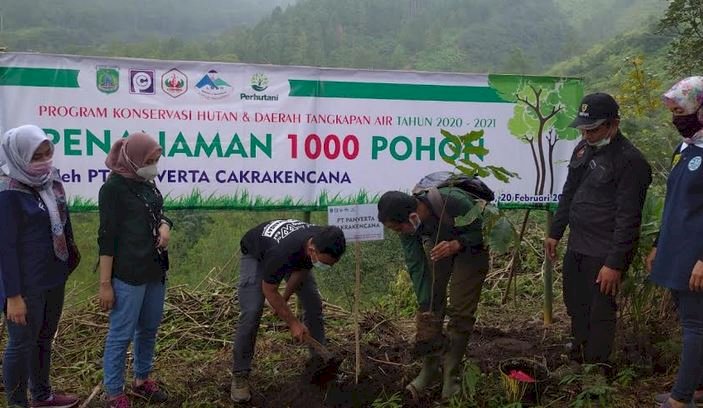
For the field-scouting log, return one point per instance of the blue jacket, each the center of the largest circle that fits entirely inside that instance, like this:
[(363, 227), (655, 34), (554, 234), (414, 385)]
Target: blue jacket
[(27, 261), (679, 245)]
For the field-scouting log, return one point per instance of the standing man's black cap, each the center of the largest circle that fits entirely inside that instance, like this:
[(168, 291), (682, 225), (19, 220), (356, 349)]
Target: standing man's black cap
[(595, 109)]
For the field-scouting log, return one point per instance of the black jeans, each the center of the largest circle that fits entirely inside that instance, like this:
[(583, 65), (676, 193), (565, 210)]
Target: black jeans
[(593, 314), (28, 351)]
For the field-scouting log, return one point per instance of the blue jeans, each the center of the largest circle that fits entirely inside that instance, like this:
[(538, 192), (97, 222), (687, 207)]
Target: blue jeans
[(28, 350), (690, 309), (135, 316), (251, 305)]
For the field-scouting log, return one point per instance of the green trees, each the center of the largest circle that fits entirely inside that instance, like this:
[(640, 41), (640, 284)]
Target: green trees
[(684, 18), (80, 26)]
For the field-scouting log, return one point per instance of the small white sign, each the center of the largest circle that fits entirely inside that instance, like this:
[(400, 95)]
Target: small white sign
[(359, 222)]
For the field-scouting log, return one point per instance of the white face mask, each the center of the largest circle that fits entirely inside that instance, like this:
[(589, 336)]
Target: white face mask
[(149, 172), (415, 221), (600, 143), (606, 140)]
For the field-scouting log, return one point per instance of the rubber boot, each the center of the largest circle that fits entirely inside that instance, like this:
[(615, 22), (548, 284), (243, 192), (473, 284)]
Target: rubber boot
[(240, 388), (428, 374), (429, 338), (451, 365)]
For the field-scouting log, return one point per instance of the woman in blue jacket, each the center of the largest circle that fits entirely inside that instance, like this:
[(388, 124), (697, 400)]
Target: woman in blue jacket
[(36, 256), (676, 261)]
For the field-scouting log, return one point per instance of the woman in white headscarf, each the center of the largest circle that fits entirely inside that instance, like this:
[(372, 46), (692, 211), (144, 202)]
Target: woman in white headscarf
[(36, 256), (676, 261)]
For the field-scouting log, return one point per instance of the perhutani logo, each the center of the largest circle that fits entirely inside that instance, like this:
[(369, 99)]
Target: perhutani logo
[(107, 79), (259, 83), (174, 83), (212, 86), (141, 81)]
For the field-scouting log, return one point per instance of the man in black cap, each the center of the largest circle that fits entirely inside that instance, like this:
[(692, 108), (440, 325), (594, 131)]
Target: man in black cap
[(602, 204)]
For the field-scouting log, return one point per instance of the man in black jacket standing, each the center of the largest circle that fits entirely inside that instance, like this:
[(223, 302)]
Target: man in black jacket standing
[(602, 204)]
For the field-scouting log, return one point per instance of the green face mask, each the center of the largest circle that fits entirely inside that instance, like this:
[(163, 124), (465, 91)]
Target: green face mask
[(317, 264)]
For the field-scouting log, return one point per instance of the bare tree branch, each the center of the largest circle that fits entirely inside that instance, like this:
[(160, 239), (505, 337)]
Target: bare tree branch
[(526, 102)]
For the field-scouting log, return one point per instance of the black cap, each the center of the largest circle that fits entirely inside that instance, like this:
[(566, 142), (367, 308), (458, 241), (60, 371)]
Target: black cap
[(595, 109)]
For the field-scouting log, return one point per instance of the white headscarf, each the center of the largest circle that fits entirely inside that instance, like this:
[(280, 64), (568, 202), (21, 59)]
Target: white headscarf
[(17, 148), (16, 151)]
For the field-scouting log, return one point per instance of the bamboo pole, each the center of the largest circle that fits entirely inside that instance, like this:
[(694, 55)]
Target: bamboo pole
[(547, 272), (513, 260), (357, 301)]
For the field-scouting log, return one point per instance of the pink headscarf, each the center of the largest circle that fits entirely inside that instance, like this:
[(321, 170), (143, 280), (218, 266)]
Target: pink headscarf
[(129, 154)]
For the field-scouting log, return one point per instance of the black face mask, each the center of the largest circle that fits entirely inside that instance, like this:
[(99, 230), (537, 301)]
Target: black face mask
[(687, 125)]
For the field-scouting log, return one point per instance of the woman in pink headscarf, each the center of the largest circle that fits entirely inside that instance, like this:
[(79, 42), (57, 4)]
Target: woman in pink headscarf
[(133, 239), (676, 261)]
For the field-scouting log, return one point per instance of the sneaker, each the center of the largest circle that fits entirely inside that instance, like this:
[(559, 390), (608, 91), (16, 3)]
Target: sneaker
[(57, 401), (240, 389), (697, 398), (666, 404), (120, 401), (150, 391)]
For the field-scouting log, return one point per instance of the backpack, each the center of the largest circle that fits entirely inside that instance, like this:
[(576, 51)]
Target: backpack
[(431, 183)]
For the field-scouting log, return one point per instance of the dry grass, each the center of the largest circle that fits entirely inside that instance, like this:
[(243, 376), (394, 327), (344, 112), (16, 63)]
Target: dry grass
[(193, 356)]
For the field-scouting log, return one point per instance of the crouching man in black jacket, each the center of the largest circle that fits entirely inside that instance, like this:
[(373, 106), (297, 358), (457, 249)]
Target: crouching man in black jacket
[(602, 204)]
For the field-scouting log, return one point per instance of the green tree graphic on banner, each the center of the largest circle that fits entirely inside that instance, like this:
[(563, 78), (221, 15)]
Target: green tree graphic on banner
[(544, 107)]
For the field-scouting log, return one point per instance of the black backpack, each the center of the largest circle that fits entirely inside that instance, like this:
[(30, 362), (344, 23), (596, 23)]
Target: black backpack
[(431, 183)]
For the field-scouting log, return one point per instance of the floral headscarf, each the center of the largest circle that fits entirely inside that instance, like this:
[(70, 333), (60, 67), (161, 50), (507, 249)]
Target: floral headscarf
[(687, 95)]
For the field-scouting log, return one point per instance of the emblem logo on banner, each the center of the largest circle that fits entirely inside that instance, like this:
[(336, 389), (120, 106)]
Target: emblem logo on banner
[(212, 86), (174, 83), (259, 82), (141, 81), (107, 79)]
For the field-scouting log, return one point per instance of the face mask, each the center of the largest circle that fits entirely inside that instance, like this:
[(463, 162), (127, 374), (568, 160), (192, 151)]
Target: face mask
[(40, 168), (321, 265), (149, 172), (415, 221), (687, 125), (600, 143)]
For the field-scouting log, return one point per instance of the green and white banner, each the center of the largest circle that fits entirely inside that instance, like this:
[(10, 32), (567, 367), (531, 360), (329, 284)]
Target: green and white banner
[(263, 137)]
